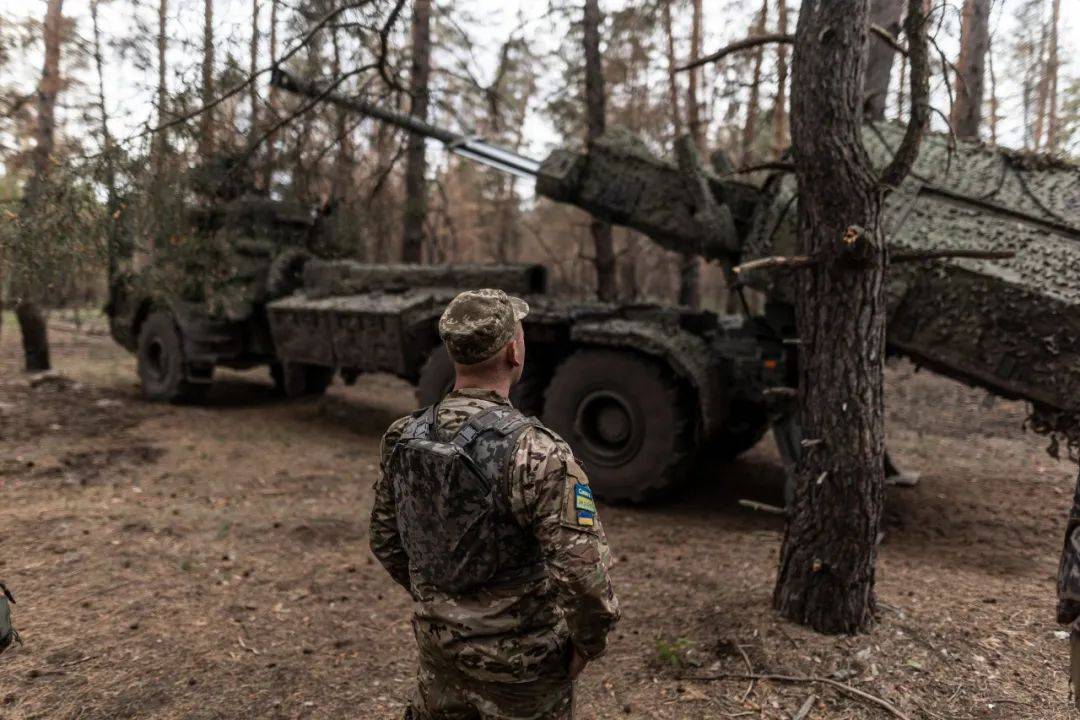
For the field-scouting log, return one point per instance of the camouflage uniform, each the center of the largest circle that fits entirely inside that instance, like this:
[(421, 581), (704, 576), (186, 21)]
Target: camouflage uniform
[(1068, 584), (504, 652), (8, 633)]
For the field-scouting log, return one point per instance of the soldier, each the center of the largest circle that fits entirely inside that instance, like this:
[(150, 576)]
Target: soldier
[(8, 634), (486, 518), (1068, 587)]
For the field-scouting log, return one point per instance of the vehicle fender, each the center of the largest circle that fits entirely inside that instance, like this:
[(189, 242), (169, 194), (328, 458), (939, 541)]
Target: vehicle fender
[(686, 354)]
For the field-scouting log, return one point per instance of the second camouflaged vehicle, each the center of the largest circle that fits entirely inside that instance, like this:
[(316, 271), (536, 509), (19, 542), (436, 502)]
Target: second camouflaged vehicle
[(636, 389)]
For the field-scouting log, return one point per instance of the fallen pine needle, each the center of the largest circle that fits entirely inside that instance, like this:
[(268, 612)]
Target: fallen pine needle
[(880, 702)]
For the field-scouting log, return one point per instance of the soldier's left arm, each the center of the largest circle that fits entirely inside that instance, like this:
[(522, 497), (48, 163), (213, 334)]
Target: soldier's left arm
[(550, 494), (384, 538)]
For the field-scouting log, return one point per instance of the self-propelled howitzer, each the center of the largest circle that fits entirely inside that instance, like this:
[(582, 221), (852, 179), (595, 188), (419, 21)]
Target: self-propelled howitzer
[(1008, 321)]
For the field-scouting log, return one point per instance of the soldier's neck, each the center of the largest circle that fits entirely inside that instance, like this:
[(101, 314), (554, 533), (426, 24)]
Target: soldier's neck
[(501, 386)]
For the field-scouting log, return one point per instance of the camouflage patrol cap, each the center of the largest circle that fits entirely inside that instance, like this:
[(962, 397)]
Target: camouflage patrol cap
[(478, 322)]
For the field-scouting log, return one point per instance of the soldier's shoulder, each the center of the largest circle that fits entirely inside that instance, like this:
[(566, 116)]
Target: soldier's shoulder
[(540, 443), (393, 433)]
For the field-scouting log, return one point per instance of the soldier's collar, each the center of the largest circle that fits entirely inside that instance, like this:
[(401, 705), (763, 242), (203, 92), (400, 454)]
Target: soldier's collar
[(479, 394)]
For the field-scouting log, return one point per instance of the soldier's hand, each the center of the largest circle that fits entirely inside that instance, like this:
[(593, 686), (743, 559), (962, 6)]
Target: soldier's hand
[(577, 664)]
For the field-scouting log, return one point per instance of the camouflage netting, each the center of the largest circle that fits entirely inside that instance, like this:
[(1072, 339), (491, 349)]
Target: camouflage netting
[(346, 277), (1012, 326)]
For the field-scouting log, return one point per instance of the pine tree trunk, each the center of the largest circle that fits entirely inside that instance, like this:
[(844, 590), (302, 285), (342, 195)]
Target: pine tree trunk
[(270, 158), (826, 574), (595, 102), (206, 119), (1042, 89), (1053, 67), (885, 13), (160, 137), (693, 106), (779, 119), (27, 289), (974, 42), (412, 247), (993, 95), (253, 67), (112, 201), (752, 103)]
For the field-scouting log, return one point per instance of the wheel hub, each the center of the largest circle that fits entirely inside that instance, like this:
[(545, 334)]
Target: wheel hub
[(605, 423)]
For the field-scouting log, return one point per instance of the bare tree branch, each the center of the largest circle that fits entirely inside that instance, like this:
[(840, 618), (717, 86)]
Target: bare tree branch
[(919, 57)]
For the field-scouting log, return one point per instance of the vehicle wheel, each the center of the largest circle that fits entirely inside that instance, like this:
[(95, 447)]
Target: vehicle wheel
[(625, 417), (747, 423), (437, 379), (161, 362), (295, 380)]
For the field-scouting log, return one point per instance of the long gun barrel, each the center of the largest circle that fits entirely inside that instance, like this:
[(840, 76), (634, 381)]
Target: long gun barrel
[(463, 145), (618, 180)]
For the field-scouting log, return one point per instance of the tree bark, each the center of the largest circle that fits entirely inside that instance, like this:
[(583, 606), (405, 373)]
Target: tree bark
[(206, 120), (750, 127), (885, 13), (27, 289), (253, 67), (1042, 87), (160, 137), (993, 95), (826, 574), (693, 106), (270, 158), (112, 201), (779, 119), (412, 247), (970, 66), (595, 103), (1053, 67)]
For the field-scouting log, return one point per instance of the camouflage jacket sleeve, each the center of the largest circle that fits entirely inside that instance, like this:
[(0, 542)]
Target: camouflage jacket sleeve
[(550, 494), (1068, 581), (383, 534)]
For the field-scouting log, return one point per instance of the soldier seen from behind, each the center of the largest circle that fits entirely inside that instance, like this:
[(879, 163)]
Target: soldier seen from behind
[(488, 521)]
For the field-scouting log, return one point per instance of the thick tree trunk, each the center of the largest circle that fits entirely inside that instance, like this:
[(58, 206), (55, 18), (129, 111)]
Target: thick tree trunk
[(412, 247), (28, 290), (206, 119), (885, 13), (595, 103), (750, 127), (974, 42), (779, 118), (826, 575)]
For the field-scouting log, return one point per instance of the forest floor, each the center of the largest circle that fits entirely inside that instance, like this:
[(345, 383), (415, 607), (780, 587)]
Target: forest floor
[(212, 562)]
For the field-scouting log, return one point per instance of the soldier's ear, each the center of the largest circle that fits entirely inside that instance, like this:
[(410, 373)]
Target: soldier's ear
[(514, 355)]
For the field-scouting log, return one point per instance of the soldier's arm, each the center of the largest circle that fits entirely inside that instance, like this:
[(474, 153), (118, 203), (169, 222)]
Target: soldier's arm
[(383, 535), (551, 495)]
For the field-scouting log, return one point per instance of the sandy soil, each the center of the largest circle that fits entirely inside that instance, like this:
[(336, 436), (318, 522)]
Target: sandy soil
[(212, 562)]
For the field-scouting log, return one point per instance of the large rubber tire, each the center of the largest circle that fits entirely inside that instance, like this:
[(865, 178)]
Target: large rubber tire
[(437, 379), (160, 358), (626, 418), (295, 380)]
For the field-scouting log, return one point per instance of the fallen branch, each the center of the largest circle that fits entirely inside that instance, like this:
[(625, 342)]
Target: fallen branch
[(869, 697), (793, 261), (915, 256), (763, 507), (778, 166)]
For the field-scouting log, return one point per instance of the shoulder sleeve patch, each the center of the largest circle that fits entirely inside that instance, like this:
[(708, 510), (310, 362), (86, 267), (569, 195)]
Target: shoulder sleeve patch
[(580, 507)]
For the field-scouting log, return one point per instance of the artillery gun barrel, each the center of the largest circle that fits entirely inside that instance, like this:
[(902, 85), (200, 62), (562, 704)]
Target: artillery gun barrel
[(468, 147)]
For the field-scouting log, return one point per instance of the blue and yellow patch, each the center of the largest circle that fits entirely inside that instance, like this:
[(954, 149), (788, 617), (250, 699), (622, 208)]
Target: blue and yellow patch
[(584, 505)]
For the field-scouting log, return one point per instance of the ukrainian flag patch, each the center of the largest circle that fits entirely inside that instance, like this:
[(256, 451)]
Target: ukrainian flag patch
[(584, 517)]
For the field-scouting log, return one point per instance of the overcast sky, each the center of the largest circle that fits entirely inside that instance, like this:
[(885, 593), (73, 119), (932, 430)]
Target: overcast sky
[(130, 87)]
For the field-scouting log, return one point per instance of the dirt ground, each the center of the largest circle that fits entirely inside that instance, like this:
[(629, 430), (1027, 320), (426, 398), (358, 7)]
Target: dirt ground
[(212, 562)]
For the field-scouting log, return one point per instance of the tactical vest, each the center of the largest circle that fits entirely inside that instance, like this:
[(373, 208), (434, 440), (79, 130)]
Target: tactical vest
[(453, 503)]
